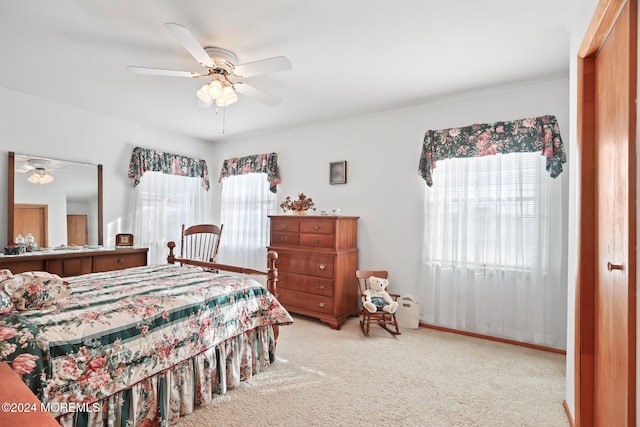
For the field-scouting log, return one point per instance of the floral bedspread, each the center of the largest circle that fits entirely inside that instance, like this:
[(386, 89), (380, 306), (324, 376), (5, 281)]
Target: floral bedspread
[(120, 327)]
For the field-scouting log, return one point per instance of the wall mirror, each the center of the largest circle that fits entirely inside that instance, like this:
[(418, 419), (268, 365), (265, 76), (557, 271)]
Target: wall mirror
[(58, 201)]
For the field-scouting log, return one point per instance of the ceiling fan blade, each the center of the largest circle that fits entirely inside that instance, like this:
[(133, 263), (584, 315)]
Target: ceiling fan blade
[(252, 92), (162, 72), (190, 43), (264, 66)]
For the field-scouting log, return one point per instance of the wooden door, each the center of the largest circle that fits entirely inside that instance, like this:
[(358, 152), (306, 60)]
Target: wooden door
[(613, 299), (32, 219), (606, 301), (77, 231)]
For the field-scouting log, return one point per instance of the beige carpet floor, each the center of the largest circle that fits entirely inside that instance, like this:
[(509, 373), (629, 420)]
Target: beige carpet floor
[(424, 377)]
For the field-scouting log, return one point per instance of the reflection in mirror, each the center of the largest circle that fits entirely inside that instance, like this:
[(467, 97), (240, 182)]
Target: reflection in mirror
[(56, 201)]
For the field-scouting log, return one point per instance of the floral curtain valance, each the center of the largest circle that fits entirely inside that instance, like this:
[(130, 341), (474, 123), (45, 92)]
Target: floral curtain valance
[(525, 135), (143, 160), (256, 163)]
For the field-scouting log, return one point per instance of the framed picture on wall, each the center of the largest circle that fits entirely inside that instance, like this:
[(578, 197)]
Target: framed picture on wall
[(338, 172)]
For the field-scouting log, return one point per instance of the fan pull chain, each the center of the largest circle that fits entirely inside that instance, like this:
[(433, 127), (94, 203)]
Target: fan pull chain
[(223, 117)]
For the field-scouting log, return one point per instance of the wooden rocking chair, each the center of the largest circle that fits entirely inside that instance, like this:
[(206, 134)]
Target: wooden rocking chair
[(387, 321), (200, 242)]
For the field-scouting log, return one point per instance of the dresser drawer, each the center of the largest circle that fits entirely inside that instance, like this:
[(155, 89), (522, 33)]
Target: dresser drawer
[(118, 261), (21, 266), (317, 226), (306, 263), (312, 285), (284, 238), (68, 267), (317, 303), (317, 240), (289, 224)]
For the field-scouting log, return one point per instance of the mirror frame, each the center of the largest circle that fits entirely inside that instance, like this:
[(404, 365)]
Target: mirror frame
[(11, 199)]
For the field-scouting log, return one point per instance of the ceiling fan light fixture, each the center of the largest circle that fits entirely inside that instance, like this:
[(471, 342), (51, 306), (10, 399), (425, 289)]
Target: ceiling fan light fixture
[(203, 94), (229, 96), (40, 177), (215, 89), (45, 179)]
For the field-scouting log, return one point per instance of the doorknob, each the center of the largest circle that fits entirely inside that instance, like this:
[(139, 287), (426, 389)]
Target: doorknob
[(612, 267)]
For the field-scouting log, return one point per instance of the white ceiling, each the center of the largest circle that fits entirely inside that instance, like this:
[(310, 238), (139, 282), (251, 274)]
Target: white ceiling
[(349, 57)]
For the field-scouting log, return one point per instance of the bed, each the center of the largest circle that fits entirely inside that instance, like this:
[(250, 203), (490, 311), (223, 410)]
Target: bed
[(145, 345)]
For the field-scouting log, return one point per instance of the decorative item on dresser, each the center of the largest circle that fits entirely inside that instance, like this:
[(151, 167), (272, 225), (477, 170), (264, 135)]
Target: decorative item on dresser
[(73, 262), (124, 240), (318, 258), (298, 207)]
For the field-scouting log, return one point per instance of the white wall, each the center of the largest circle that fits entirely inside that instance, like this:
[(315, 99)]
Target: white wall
[(382, 153), (32, 125)]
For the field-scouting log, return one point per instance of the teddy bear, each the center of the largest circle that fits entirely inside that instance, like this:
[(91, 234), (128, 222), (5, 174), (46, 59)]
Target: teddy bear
[(376, 296)]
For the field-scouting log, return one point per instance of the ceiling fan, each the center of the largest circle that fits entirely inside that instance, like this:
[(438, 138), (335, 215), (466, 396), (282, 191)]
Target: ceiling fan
[(221, 67), (40, 169)]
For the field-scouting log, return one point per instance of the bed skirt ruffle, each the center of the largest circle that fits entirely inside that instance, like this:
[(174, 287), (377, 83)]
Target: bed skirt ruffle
[(161, 399)]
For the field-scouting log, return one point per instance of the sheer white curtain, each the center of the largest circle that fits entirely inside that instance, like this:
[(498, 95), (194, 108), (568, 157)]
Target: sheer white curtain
[(246, 202), (493, 249), (161, 204)]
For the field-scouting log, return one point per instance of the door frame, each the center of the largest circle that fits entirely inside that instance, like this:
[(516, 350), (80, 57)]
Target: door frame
[(602, 22)]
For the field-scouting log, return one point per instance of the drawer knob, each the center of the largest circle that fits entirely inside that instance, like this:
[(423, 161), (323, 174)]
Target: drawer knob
[(277, 295), (284, 226), (316, 227), (321, 286), (322, 266), (315, 241), (284, 238), (120, 261), (322, 305), (278, 261)]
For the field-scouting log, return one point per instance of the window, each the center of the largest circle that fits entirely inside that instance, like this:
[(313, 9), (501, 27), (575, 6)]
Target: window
[(246, 202), (162, 203), (493, 248), (488, 211)]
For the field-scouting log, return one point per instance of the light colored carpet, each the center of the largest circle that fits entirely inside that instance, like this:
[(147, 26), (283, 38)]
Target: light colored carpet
[(423, 377)]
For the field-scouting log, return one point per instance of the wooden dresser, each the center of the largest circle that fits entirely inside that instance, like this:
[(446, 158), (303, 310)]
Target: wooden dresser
[(318, 258), (76, 262)]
